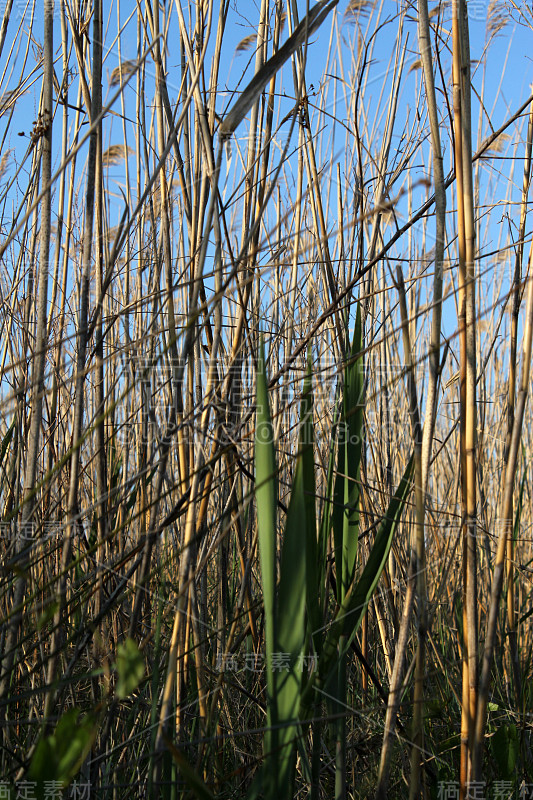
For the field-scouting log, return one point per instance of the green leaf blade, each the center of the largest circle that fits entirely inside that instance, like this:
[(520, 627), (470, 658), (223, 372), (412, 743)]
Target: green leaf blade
[(130, 668), (353, 608)]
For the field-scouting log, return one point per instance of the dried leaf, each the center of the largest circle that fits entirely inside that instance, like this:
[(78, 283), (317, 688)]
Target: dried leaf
[(440, 8), (249, 96), (387, 219), (497, 17), (121, 72), (358, 8), (497, 145), (4, 162), (455, 377), (8, 99), (246, 43), (115, 154)]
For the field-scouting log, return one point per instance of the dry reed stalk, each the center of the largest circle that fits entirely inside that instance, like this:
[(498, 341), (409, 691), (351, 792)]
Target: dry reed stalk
[(440, 233), (418, 547), (517, 293), (99, 387), (40, 347), (466, 320), (505, 532), (82, 340)]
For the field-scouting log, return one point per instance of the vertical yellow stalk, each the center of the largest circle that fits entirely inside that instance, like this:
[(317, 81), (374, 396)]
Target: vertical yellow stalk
[(418, 546), (467, 336)]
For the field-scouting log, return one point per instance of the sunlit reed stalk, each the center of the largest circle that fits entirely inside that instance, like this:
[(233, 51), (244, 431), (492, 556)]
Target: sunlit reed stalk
[(466, 320)]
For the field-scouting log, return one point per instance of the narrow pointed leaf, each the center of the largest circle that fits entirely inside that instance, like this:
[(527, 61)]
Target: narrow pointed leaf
[(313, 558), (352, 610), (189, 774), (291, 624), (6, 440), (130, 668), (266, 501), (250, 95), (350, 614), (347, 484)]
